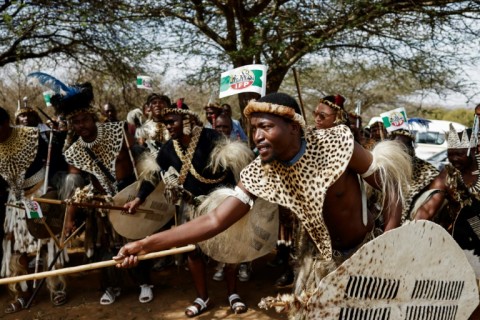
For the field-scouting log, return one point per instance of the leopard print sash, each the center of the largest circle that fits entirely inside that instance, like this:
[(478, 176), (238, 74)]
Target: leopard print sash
[(16, 155), (106, 147), (302, 186), (422, 174)]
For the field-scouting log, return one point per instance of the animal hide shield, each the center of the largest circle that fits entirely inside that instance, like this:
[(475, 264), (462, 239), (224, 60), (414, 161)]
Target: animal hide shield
[(414, 272)]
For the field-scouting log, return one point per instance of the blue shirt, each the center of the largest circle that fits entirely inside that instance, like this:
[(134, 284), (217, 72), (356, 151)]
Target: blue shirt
[(237, 131)]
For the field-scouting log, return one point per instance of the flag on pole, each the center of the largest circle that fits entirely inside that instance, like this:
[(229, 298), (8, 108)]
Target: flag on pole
[(144, 82), (250, 78), (33, 209), (395, 119), (47, 95)]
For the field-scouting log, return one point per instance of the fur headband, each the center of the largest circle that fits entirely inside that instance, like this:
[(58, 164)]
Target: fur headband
[(276, 109)]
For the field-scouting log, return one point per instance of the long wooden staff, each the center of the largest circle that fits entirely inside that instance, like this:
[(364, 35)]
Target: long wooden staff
[(92, 266), (297, 84), (130, 153), (47, 165), (88, 205)]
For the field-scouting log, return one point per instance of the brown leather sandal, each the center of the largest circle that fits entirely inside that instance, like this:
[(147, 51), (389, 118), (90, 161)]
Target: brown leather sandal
[(58, 298), (16, 306)]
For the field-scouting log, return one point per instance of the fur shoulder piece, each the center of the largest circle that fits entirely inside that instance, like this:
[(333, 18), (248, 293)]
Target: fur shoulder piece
[(135, 117), (232, 155)]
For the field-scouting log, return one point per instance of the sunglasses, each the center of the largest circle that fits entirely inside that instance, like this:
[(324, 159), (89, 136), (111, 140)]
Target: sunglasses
[(322, 115)]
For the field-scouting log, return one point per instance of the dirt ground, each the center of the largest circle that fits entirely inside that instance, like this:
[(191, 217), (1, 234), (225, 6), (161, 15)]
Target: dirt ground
[(173, 292)]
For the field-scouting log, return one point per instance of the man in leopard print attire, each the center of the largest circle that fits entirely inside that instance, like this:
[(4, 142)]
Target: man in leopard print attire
[(455, 202), (23, 154), (101, 151), (314, 174), (455, 199), (423, 172)]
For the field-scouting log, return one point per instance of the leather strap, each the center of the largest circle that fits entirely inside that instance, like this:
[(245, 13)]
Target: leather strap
[(102, 167)]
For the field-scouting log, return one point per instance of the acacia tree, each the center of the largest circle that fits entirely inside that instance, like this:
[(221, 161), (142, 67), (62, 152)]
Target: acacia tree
[(422, 36), (97, 34)]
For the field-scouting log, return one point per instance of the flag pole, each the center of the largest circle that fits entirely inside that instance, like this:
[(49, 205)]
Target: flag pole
[(299, 94)]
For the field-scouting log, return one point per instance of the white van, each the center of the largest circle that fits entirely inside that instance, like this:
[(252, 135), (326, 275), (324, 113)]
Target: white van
[(431, 140)]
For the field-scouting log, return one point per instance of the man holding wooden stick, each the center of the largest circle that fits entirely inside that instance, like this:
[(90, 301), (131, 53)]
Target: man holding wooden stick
[(23, 154), (102, 151), (314, 173)]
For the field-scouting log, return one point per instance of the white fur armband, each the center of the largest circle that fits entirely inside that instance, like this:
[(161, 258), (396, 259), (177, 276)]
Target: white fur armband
[(242, 196)]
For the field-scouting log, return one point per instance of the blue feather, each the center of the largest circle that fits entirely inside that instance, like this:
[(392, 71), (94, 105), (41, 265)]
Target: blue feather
[(53, 83), (420, 121)]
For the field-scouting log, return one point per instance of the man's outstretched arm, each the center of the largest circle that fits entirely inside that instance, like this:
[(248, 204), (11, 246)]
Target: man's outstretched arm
[(201, 228)]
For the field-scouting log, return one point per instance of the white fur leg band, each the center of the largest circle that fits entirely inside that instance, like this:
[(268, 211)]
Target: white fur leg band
[(242, 196)]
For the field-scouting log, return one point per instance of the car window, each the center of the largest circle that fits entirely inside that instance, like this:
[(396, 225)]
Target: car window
[(429, 137)]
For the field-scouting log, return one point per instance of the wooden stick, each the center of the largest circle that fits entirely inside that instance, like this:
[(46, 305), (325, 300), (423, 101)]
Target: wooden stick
[(50, 232), (297, 84), (47, 165), (92, 266), (74, 233), (88, 205), (130, 153)]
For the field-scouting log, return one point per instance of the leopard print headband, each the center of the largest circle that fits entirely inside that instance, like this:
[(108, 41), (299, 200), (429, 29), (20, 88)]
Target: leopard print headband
[(402, 132), (90, 110), (341, 113), (276, 109), (183, 112)]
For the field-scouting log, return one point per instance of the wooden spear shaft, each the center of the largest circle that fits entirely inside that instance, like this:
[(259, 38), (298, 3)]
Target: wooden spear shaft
[(92, 266), (88, 205), (297, 84)]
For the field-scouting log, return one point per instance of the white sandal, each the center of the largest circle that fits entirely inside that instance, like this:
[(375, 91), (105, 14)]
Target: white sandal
[(146, 293), (237, 307), (109, 296), (194, 310)]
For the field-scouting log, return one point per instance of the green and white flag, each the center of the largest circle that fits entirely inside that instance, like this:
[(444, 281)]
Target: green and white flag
[(47, 95), (33, 209), (144, 82), (395, 119), (250, 78)]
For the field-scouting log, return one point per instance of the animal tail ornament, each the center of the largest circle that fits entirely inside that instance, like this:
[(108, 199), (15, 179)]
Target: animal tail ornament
[(135, 117), (148, 168), (233, 155), (393, 168)]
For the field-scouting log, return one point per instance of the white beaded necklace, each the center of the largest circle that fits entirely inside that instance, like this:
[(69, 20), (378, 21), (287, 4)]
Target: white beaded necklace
[(98, 138), (475, 188)]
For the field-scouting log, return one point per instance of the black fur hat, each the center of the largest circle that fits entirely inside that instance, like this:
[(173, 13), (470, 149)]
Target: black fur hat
[(70, 104)]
